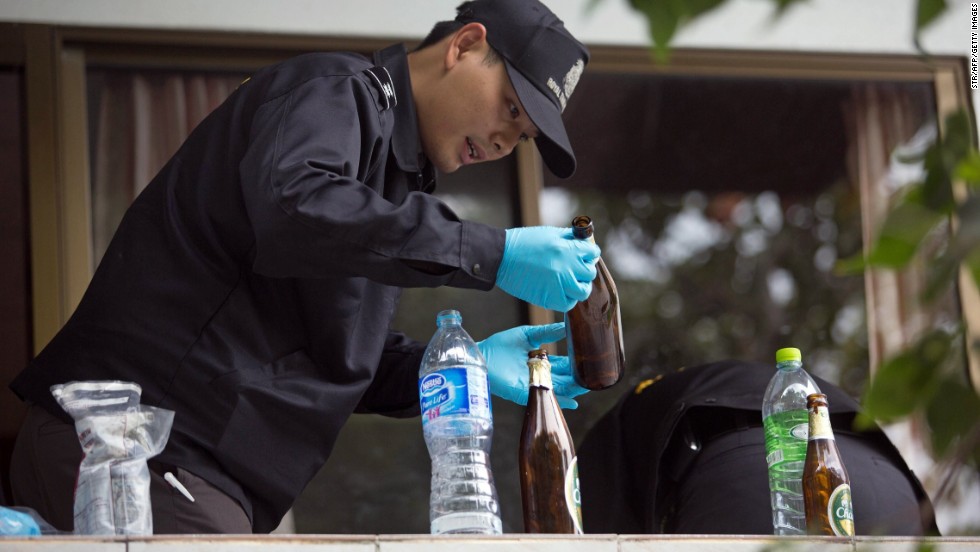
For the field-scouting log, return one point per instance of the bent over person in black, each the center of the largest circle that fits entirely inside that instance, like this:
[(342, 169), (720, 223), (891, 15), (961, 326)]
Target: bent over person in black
[(685, 454), (250, 288)]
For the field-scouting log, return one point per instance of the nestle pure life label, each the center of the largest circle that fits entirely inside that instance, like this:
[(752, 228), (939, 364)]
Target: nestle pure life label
[(840, 511), (456, 390)]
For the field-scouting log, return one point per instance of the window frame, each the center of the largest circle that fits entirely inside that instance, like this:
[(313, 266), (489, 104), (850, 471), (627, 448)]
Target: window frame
[(55, 58)]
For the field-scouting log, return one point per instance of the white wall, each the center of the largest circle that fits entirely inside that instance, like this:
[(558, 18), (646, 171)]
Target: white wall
[(814, 25)]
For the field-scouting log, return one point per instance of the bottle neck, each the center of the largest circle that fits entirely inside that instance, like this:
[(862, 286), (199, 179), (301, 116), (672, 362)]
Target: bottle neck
[(789, 365), (584, 234), (449, 319), (820, 427), (540, 373)]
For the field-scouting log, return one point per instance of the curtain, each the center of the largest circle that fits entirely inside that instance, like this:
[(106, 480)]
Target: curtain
[(889, 125), (138, 119)]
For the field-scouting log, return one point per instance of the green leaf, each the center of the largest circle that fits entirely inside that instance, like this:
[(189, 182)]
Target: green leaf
[(850, 266), (967, 238), (972, 263), (904, 229), (937, 188), (969, 169), (665, 17), (952, 414), (663, 23), (907, 381), (783, 5), (926, 12), (940, 276), (691, 9), (964, 249), (957, 139)]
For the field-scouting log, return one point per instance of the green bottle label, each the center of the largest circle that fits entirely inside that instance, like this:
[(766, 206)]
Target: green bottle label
[(840, 511), (573, 495), (786, 437)]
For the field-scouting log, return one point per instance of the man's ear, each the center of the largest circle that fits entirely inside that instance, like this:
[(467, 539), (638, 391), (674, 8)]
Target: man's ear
[(470, 38)]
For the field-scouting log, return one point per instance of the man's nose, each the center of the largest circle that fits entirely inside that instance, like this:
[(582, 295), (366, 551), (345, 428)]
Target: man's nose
[(504, 144)]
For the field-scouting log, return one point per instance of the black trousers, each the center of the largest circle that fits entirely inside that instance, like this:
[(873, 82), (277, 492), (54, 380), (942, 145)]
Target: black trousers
[(44, 468)]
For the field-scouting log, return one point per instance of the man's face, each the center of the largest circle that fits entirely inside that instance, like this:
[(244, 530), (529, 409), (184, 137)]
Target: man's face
[(474, 115)]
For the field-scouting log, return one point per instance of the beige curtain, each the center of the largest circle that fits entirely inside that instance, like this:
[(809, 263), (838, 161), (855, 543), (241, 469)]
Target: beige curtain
[(891, 123), (138, 120)]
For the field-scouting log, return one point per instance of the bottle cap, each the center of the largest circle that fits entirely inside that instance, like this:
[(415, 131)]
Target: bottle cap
[(789, 353)]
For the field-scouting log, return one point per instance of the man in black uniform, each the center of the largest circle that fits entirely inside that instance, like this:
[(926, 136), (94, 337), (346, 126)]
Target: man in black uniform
[(685, 453), (251, 286)]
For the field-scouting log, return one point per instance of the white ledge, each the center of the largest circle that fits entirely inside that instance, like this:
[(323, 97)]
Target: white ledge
[(501, 543)]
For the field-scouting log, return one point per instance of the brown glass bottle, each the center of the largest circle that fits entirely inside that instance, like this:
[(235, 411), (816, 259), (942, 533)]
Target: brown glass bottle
[(548, 465), (595, 338), (826, 486)]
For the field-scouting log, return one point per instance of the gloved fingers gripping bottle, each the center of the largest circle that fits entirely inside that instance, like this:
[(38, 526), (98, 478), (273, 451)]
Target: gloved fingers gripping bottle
[(457, 424), (785, 419), (594, 325), (550, 489), (547, 266)]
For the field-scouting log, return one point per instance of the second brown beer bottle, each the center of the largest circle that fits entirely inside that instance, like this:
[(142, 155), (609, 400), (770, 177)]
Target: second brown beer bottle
[(595, 338), (826, 486), (548, 466)]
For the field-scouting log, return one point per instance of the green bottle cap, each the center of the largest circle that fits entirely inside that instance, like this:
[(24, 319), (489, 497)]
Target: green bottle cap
[(789, 353)]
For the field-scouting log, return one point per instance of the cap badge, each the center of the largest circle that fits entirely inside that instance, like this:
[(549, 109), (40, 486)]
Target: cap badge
[(568, 83)]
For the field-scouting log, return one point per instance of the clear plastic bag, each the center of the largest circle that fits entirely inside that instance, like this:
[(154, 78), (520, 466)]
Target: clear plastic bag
[(118, 435)]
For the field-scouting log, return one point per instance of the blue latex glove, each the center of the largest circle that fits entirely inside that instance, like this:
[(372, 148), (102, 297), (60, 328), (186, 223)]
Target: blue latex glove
[(17, 522), (547, 266), (506, 356)]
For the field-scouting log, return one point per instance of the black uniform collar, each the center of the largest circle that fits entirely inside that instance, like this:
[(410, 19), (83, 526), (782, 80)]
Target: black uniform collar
[(405, 139)]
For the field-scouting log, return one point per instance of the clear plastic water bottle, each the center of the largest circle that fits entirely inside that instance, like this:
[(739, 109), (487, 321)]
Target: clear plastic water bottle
[(784, 416), (457, 423)]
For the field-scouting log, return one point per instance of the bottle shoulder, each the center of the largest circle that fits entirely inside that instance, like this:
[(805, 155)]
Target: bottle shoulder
[(788, 389), (452, 347)]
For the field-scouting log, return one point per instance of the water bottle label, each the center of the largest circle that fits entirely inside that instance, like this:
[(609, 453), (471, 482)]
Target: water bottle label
[(573, 495), (786, 437), (840, 511), (458, 390)]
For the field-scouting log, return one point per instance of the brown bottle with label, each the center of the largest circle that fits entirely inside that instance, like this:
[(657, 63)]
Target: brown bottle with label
[(595, 338), (826, 486), (548, 466)]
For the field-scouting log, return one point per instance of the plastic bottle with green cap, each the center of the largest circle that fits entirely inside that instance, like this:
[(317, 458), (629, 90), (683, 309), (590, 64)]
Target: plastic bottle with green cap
[(784, 416)]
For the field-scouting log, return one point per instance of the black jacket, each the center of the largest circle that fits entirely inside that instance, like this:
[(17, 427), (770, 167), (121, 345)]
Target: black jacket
[(250, 287)]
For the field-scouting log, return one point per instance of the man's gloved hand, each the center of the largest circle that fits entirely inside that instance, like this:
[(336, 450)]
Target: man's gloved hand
[(547, 266), (506, 356)]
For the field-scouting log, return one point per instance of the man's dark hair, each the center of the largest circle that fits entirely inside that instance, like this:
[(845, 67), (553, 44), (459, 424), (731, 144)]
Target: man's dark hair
[(443, 29), (440, 31)]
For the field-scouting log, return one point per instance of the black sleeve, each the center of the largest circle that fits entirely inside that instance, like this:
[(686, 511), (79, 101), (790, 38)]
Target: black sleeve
[(310, 152), (394, 390)]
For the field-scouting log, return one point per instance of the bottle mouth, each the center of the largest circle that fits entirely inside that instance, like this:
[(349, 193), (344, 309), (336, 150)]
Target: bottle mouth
[(582, 227), (449, 316)]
